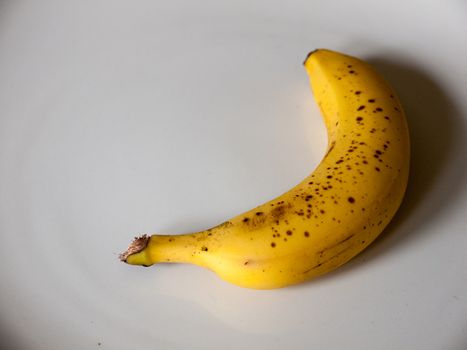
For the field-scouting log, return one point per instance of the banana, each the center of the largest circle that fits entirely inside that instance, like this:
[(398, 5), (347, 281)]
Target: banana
[(329, 217)]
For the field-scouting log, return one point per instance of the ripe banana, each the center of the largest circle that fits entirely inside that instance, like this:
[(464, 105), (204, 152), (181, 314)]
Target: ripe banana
[(333, 214)]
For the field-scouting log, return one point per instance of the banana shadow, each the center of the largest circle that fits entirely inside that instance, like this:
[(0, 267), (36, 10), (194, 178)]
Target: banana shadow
[(438, 167), (7, 341)]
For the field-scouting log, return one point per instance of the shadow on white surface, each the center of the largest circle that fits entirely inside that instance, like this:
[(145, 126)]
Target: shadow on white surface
[(7, 340)]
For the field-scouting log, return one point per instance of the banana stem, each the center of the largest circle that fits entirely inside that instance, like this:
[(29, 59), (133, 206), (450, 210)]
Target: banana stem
[(148, 250), (138, 245)]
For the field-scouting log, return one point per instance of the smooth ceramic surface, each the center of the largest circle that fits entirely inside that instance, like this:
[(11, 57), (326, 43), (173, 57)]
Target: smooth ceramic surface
[(126, 117)]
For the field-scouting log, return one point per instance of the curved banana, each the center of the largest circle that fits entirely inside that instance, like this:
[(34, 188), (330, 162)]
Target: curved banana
[(330, 216)]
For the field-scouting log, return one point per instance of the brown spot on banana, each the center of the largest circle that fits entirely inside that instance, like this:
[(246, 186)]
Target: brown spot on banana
[(265, 218)]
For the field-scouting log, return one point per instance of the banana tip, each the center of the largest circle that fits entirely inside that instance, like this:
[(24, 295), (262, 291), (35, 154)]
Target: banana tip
[(308, 56), (138, 244)]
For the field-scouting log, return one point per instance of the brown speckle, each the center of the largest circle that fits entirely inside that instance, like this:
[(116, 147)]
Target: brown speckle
[(351, 199), (371, 100), (362, 107), (279, 211), (273, 244), (306, 234)]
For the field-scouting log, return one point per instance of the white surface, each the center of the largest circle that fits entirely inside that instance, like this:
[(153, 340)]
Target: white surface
[(124, 117)]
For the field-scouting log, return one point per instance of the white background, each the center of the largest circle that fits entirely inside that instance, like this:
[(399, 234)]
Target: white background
[(126, 117)]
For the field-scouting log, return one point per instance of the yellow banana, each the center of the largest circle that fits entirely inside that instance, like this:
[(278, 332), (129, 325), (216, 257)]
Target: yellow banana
[(330, 216)]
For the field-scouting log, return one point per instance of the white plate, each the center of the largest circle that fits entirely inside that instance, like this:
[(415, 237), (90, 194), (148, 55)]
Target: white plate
[(124, 117)]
